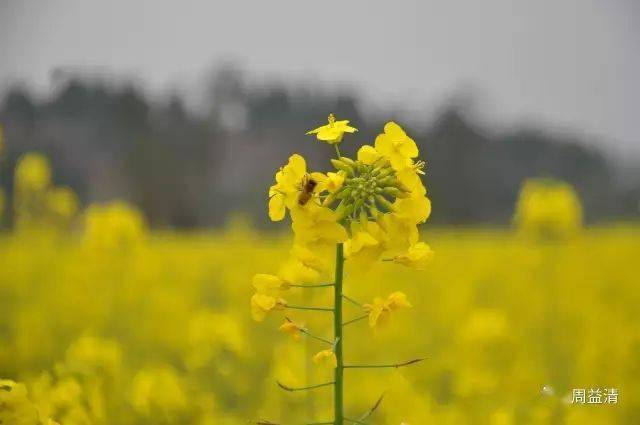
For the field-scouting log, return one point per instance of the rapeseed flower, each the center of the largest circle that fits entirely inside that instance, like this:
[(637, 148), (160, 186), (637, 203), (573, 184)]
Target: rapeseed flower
[(417, 256), (548, 208), (397, 146), (293, 329), (366, 209), (333, 131), (326, 357), (380, 309)]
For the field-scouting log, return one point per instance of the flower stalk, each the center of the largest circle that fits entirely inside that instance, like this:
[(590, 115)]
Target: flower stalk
[(368, 208), (338, 391)]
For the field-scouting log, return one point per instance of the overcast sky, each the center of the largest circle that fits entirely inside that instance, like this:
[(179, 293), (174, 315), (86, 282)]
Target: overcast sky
[(567, 64)]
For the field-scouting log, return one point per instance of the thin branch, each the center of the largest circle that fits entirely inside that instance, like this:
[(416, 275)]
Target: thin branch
[(309, 334), (320, 285), (311, 387), (373, 409), (394, 365), (355, 421), (265, 422), (351, 300), (319, 338), (300, 307), (348, 322)]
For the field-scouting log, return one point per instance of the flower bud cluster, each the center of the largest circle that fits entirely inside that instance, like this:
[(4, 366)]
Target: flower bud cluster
[(368, 189)]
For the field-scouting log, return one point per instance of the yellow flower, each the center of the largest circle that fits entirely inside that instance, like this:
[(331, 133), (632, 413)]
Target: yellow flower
[(293, 329), (268, 284), (396, 146), (417, 256), (397, 300), (289, 183), (15, 405), (334, 181), (333, 131), (261, 304), (309, 258), (62, 201), (400, 233), (415, 209), (326, 356), (366, 241), (316, 224), (380, 310), (548, 209), (295, 271), (33, 172), (267, 296), (368, 154)]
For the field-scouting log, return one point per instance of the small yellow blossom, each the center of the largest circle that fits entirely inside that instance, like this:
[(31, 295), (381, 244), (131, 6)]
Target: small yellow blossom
[(367, 154), (261, 304), (380, 309), (295, 271), (293, 329), (366, 242), (334, 181), (62, 202), (333, 131), (397, 300), (415, 209), (309, 258), (548, 209), (284, 194), (396, 146), (33, 172), (326, 356), (317, 224), (417, 256), (268, 284)]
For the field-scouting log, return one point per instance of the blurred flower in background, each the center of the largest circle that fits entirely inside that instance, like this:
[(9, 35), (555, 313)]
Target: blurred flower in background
[(548, 208)]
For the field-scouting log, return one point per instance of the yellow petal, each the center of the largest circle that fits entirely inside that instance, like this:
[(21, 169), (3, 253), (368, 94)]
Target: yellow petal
[(276, 208)]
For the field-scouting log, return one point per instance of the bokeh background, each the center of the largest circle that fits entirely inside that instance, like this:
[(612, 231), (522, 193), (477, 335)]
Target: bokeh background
[(139, 140)]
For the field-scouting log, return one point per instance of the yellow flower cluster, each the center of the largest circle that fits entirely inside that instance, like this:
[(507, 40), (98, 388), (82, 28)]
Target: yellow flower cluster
[(548, 209), (37, 201), (372, 204), (15, 406)]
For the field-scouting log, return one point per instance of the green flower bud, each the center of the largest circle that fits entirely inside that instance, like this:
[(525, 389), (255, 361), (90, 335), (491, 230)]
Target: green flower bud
[(382, 201), (394, 191)]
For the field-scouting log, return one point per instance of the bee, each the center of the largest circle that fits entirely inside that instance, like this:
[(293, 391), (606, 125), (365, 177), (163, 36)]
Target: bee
[(306, 192)]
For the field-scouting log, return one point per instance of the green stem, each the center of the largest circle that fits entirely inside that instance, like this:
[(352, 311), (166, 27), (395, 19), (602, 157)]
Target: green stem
[(373, 366), (310, 387), (335, 145), (338, 402), (351, 300), (300, 307), (357, 319)]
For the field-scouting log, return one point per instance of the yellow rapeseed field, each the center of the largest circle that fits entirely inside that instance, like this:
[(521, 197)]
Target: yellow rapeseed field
[(106, 322)]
